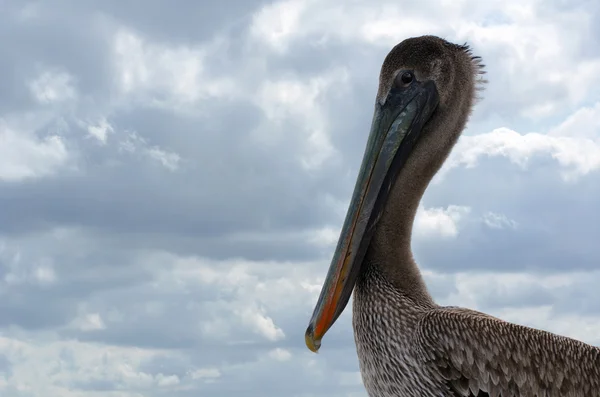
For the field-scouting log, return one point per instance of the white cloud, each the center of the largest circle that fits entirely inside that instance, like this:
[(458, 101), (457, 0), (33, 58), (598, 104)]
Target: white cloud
[(19, 271), (66, 368), (538, 52), (529, 48), (44, 273), (279, 354), (168, 159), (280, 24), (51, 87), (89, 322), (276, 22), (25, 156), (261, 324), (578, 156), (439, 221), (100, 130), (134, 143), (327, 236), (301, 102), (498, 221), (166, 76), (256, 291), (382, 24), (583, 124), (206, 374), (167, 380)]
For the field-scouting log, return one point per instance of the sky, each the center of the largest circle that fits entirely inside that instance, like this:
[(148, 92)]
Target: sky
[(173, 179)]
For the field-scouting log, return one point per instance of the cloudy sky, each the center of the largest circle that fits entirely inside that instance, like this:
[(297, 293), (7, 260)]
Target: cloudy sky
[(173, 180)]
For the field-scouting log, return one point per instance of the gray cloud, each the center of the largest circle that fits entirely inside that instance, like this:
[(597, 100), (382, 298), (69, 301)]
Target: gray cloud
[(181, 253)]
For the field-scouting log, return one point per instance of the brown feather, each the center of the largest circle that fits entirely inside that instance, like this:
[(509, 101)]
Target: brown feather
[(520, 361), (406, 344)]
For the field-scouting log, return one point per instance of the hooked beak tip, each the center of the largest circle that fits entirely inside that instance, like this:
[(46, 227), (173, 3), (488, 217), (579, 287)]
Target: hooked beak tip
[(312, 343)]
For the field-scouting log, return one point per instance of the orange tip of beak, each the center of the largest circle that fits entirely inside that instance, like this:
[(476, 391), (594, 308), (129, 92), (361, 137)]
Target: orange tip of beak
[(312, 344)]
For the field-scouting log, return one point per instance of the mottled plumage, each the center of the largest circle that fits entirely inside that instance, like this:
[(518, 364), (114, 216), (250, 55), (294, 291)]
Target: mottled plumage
[(408, 345)]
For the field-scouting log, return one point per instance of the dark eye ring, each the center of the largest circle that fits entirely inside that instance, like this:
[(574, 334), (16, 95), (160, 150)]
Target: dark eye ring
[(406, 78)]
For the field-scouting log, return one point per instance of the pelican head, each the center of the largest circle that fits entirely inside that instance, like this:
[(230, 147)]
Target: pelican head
[(417, 119)]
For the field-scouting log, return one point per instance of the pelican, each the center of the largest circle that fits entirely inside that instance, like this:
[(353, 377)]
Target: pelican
[(408, 345)]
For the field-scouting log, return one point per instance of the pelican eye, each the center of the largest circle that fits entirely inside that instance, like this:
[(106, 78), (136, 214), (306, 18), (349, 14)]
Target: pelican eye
[(405, 78)]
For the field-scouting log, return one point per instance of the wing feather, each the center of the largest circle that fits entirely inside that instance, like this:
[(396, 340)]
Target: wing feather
[(505, 359)]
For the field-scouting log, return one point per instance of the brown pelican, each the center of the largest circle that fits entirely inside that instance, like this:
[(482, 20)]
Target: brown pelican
[(408, 345)]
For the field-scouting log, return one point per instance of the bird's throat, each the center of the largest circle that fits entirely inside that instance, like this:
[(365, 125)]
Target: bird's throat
[(390, 252)]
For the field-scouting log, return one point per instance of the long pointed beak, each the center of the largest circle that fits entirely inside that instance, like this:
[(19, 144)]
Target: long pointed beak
[(396, 126)]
